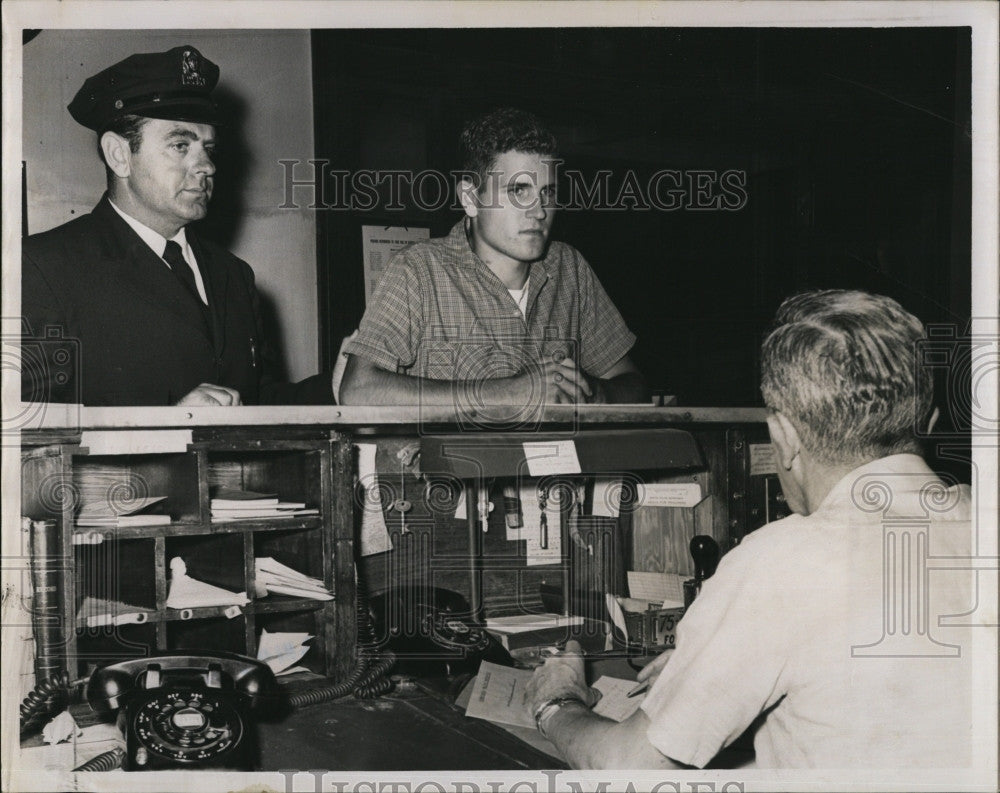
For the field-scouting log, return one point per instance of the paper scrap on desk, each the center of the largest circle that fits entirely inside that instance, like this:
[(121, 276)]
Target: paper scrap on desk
[(135, 442), (374, 534), (61, 728), (498, 695), (280, 650), (615, 703), (762, 459), (531, 530), (659, 588), (607, 496), (551, 457), (671, 494)]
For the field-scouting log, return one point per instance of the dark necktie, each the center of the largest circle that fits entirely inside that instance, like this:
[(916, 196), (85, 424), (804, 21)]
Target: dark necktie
[(173, 256)]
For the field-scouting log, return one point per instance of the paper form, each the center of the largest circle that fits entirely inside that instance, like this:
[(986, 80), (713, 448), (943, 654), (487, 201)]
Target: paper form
[(498, 695)]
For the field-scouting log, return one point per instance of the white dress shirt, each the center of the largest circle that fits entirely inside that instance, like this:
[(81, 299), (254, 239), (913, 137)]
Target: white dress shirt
[(158, 242)]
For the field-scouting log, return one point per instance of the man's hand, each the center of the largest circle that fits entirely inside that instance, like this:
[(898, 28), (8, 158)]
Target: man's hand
[(652, 670), (561, 676), (564, 383), (208, 394)]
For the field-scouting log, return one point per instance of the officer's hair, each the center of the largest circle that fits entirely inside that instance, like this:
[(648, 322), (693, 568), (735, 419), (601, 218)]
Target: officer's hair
[(842, 366), (505, 129), (129, 127)]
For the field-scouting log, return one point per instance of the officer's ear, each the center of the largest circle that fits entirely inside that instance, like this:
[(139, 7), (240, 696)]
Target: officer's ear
[(468, 195), (117, 154), (784, 438)]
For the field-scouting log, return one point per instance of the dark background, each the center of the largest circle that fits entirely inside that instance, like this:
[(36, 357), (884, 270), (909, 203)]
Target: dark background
[(855, 144)]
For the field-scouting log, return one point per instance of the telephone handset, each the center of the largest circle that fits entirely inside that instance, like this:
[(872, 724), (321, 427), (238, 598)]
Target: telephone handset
[(431, 630), (185, 711)]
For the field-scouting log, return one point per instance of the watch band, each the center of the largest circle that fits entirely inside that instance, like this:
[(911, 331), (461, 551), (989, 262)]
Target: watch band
[(550, 706)]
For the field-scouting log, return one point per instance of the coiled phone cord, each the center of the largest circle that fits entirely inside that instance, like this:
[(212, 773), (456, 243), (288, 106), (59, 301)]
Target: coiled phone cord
[(369, 678), (45, 698), (107, 761)]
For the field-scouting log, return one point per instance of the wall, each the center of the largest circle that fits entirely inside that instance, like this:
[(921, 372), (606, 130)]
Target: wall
[(266, 82)]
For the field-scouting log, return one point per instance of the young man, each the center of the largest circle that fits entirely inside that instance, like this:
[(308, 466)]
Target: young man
[(494, 307), (159, 315), (822, 626)]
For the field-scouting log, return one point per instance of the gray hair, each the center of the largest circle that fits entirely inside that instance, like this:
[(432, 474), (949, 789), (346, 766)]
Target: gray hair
[(842, 366)]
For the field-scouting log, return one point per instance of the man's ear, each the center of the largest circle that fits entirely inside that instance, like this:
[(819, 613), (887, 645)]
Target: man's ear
[(468, 196), (117, 154), (785, 438)]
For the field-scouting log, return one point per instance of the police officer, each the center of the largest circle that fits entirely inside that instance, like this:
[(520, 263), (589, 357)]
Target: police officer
[(151, 313)]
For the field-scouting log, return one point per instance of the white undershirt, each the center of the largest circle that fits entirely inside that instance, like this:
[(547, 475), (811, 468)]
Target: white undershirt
[(521, 298), (158, 242)]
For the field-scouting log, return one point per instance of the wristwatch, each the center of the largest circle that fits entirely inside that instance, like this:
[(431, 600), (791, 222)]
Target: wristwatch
[(550, 706)]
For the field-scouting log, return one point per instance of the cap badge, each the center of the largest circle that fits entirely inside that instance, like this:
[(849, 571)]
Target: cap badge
[(191, 69)]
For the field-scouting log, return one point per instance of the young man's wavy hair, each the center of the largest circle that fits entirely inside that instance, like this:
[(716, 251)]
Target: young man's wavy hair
[(505, 129), (842, 366)]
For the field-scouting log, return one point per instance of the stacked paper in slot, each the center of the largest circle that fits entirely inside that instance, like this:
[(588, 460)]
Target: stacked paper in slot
[(189, 593), (135, 512), (280, 650), (280, 579), (230, 504)]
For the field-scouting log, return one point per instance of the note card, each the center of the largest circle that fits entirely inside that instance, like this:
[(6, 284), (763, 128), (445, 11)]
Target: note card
[(660, 588), (762, 459), (615, 702), (551, 457), (673, 494)]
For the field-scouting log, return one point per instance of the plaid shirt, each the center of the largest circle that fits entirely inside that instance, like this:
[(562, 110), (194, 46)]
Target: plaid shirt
[(439, 312)]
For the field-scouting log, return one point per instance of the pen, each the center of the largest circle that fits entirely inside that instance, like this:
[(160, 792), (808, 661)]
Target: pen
[(638, 689)]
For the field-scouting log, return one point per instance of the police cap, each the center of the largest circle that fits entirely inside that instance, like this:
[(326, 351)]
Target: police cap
[(175, 85)]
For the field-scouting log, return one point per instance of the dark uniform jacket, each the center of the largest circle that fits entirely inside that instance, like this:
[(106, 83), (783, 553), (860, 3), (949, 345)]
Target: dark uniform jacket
[(108, 323)]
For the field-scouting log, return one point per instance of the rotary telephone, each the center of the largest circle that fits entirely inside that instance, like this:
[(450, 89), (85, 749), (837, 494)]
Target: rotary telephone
[(185, 711), (431, 631)]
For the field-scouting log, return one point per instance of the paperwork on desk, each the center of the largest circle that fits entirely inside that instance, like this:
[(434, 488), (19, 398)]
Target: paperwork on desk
[(280, 650), (189, 593), (374, 534), (272, 576), (498, 696)]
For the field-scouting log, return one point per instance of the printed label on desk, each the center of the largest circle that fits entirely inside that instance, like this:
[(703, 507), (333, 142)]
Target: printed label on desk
[(762, 459), (101, 442), (551, 457)]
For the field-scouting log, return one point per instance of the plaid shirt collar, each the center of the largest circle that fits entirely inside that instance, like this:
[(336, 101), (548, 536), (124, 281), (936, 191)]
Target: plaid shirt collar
[(458, 242)]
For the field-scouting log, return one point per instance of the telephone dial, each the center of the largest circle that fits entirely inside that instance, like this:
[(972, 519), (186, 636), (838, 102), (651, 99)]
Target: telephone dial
[(185, 711), (431, 631)]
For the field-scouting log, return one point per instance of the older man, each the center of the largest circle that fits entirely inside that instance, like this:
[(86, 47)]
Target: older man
[(159, 316), (822, 627)]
